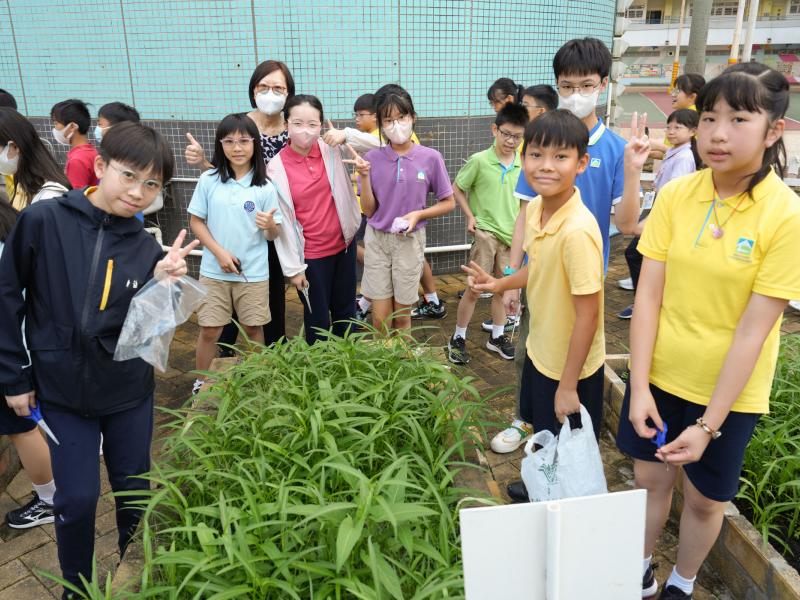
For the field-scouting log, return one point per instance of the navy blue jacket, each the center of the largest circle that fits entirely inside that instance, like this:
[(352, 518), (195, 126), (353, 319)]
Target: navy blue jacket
[(79, 267)]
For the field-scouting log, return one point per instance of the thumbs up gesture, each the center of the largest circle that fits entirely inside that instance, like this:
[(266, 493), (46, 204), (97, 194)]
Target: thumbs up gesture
[(333, 137), (194, 151), (266, 220)]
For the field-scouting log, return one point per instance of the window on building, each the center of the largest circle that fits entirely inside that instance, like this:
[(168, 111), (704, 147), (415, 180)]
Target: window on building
[(794, 7), (636, 11), (724, 8)]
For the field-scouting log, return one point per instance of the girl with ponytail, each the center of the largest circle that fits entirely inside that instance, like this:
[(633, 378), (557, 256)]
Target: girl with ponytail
[(504, 91)]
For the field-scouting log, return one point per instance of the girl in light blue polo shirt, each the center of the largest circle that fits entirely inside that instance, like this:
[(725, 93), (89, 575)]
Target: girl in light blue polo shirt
[(233, 212)]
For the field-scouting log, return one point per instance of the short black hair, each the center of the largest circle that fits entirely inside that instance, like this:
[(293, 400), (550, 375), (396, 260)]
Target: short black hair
[(299, 99), (391, 96), (7, 99), (506, 87), (587, 56), (513, 114), (118, 112), (690, 83), (139, 147), (72, 111), (238, 123), (264, 69), (557, 128), (544, 95), (365, 102)]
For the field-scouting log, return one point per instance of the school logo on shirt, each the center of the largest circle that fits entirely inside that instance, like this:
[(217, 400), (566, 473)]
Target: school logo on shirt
[(595, 163), (249, 206), (421, 175), (744, 249)]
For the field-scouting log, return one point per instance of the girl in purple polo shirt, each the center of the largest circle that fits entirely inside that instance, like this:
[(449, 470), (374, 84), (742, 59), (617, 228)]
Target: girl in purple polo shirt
[(394, 188)]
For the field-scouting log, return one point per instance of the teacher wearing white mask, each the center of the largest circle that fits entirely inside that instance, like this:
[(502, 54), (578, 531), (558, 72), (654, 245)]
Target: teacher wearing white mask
[(271, 85)]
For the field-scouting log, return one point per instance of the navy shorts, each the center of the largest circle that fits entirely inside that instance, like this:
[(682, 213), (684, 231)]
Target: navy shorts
[(10, 423), (362, 229), (716, 474), (537, 394)]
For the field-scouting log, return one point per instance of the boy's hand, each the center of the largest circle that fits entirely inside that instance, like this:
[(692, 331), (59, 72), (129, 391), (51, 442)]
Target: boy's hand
[(479, 280), (174, 263), (637, 150), (333, 137), (227, 262), (299, 281), (362, 166), (22, 403), (643, 407), (266, 220), (413, 218), (471, 223), (566, 403), (194, 153)]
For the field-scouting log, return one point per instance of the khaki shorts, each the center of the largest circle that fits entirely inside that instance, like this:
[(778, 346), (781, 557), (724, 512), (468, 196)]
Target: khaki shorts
[(489, 252), (392, 265), (249, 300)]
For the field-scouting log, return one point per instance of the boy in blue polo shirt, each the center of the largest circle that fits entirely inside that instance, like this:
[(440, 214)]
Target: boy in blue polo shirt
[(581, 69)]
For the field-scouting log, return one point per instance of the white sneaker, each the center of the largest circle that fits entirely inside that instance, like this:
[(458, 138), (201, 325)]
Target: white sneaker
[(512, 438), (795, 304), (626, 284)]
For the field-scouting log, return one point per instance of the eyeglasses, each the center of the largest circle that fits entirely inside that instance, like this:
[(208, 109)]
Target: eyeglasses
[(674, 128), (309, 124), (276, 89), (232, 142), (510, 137), (390, 123), (362, 115), (130, 179), (584, 89), (528, 105)]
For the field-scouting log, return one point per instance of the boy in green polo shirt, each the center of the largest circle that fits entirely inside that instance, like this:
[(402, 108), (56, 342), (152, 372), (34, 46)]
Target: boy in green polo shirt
[(489, 179)]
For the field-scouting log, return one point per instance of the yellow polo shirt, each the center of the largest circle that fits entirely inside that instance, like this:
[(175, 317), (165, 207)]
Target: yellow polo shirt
[(709, 281), (565, 258)]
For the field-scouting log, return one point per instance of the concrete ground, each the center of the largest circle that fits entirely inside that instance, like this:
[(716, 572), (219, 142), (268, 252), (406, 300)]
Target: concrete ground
[(23, 554)]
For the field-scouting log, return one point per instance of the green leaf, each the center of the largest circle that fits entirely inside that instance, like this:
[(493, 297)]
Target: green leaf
[(346, 539)]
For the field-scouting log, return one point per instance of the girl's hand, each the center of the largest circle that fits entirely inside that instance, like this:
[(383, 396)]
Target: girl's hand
[(637, 150), (362, 166), (174, 263), (643, 407), (333, 137), (478, 279), (266, 220), (413, 218), (687, 448), (299, 281), (21, 404), (194, 153), (566, 403), (511, 301)]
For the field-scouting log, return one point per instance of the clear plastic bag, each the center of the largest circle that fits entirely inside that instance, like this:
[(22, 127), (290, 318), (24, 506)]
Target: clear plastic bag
[(155, 311)]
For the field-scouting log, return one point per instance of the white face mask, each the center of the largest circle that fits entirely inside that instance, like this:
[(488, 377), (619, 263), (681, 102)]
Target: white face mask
[(58, 135), (399, 132), (98, 134), (270, 103), (578, 105), (8, 166)]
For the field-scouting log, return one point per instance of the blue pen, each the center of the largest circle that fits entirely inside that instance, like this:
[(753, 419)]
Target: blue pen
[(36, 417)]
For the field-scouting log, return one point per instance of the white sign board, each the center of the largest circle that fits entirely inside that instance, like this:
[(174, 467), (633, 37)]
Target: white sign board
[(589, 547)]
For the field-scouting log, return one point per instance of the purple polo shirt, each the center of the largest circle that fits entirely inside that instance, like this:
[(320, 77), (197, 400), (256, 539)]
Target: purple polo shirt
[(401, 183)]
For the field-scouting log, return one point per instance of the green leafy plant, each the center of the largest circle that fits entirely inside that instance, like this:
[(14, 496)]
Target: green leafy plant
[(319, 472)]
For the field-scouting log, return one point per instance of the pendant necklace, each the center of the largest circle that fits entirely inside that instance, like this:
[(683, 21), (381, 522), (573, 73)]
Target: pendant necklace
[(717, 230)]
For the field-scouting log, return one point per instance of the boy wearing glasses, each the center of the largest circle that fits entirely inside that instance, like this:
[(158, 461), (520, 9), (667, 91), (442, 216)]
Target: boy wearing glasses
[(484, 189), (79, 259)]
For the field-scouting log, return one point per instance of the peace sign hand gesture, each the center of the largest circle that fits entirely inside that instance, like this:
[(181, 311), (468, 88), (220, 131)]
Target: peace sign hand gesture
[(362, 166), (174, 263), (638, 147)]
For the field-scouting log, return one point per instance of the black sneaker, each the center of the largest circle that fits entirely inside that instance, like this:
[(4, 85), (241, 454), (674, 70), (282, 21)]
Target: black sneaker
[(670, 592), (511, 323), (649, 583), (429, 310), (36, 512), (361, 315), (626, 313), (457, 351), (518, 492), (502, 345)]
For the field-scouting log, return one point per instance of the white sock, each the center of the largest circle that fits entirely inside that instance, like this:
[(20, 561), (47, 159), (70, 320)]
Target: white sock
[(364, 304), (433, 298), (646, 564), (683, 584), (497, 330), (46, 491), (197, 383), (460, 332)]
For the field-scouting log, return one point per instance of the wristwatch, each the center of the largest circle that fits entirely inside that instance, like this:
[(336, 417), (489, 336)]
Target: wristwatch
[(509, 270), (715, 434)]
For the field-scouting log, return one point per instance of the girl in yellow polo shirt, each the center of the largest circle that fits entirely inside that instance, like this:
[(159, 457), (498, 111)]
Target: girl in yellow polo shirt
[(720, 264)]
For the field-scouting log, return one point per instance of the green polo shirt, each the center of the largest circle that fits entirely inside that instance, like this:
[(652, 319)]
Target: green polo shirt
[(489, 186)]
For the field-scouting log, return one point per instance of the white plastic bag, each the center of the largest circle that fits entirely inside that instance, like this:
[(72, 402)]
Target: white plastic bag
[(566, 466), (540, 469), (155, 311), (580, 468)]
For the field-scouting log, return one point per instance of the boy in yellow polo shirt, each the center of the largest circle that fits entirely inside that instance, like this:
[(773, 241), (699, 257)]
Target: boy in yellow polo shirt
[(564, 275)]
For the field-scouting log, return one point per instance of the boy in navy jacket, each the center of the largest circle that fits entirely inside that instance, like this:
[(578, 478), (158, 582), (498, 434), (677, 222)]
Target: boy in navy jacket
[(80, 259)]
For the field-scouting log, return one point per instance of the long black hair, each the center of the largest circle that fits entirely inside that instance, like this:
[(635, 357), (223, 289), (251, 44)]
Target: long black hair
[(506, 87), (689, 119), (755, 88), (8, 216), (242, 124), (36, 165)]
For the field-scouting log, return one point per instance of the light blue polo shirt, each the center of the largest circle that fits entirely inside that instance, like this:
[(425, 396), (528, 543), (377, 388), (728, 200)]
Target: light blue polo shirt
[(229, 210), (600, 184)]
